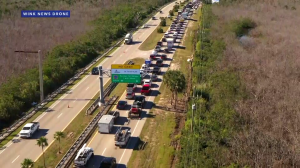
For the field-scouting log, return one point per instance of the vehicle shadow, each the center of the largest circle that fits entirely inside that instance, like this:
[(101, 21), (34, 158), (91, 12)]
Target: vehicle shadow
[(40, 133), (119, 165), (154, 86), (122, 121), (95, 161), (155, 93), (135, 42)]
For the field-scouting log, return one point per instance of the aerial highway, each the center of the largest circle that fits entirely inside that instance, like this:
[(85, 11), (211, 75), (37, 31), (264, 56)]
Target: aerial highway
[(104, 144), (64, 110)]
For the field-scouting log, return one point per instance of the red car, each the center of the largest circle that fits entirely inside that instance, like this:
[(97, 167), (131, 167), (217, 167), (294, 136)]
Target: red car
[(146, 89)]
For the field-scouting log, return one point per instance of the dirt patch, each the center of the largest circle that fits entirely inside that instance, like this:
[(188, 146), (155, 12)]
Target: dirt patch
[(179, 120)]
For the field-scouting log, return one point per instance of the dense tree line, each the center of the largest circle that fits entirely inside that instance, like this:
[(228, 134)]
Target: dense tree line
[(64, 61), (207, 143)]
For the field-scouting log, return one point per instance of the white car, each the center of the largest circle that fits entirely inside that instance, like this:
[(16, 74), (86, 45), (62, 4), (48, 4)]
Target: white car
[(175, 34), (145, 66), (147, 82)]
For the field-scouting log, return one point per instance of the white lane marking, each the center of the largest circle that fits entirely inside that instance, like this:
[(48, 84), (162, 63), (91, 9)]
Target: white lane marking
[(74, 100), (15, 159), (41, 116), (59, 115), (87, 88), (103, 151), (129, 140)]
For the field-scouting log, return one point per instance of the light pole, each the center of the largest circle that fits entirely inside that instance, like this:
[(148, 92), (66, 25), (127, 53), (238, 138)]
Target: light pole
[(40, 71)]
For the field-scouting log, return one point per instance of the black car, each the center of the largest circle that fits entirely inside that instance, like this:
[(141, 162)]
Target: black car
[(140, 101), (156, 70), (121, 105), (108, 162), (163, 56), (95, 71), (159, 62), (116, 114)]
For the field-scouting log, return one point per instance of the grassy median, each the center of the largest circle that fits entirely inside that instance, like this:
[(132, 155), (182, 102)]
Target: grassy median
[(163, 131), (154, 37), (75, 128)]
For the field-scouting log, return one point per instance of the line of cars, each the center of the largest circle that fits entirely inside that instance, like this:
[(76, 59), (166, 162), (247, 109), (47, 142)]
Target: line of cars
[(149, 74)]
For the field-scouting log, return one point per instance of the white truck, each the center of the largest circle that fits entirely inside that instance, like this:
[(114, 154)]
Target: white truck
[(170, 43), (128, 38), (106, 124), (83, 156), (29, 129)]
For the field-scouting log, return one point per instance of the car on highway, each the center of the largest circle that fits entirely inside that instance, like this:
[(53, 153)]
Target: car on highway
[(153, 18), (121, 104), (108, 162), (153, 55), (163, 56), (147, 82), (154, 77), (159, 62), (145, 66), (116, 114), (175, 34), (139, 101), (158, 48), (156, 70), (146, 89), (130, 95), (29, 129), (95, 71)]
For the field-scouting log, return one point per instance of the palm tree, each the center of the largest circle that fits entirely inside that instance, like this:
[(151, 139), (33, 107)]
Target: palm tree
[(58, 135), (27, 163), (42, 142)]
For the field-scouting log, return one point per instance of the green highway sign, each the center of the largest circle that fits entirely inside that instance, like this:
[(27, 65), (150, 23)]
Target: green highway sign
[(126, 78)]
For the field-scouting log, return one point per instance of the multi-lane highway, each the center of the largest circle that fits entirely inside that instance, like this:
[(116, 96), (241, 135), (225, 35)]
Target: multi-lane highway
[(58, 116), (103, 144)]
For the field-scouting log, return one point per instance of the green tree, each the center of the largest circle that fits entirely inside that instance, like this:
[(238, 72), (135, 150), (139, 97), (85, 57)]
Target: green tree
[(58, 136), (42, 142), (171, 13), (175, 81), (160, 30), (163, 22), (27, 163)]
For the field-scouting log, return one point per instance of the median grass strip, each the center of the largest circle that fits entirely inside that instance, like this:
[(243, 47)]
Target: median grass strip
[(154, 37), (36, 115), (163, 131), (76, 127)]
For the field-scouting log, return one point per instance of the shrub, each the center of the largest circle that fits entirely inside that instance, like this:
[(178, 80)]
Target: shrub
[(160, 30), (241, 27), (171, 12), (163, 22)]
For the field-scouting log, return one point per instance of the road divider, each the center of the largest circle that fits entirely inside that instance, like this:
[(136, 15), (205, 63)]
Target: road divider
[(66, 161)]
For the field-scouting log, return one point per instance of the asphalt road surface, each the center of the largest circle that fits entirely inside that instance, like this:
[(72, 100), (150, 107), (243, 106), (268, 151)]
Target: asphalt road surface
[(58, 116), (103, 144)]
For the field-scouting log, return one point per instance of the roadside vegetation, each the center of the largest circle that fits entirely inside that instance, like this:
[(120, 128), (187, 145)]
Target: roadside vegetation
[(246, 96), (63, 61)]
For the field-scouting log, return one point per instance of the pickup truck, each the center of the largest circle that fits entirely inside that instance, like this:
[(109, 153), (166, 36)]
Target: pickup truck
[(131, 87), (146, 89), (156, 70), (116, 114), (29, 129)]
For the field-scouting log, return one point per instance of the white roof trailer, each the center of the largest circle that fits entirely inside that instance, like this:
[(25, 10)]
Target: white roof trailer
[(170, 43), (105, 124)]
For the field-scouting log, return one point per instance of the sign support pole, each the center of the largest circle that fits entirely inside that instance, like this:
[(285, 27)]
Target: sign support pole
[(101, 98)]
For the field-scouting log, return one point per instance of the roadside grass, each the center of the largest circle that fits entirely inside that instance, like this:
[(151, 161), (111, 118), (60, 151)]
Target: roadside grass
[(158, 131), (36, 115), (154, 37), (77, 126)]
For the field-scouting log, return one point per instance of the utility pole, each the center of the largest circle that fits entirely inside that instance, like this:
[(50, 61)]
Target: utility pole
[(102, 102), (40, 71)]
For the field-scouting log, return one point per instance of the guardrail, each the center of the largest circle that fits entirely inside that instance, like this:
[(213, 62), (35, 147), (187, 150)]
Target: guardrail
[(50, 97), (107, 91), (66, 161)]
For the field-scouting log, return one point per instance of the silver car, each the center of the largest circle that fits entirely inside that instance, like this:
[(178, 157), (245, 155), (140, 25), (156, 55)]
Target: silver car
[(130, 95)]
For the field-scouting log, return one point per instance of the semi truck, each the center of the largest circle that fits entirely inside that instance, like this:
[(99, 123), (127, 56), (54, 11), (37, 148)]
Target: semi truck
[(29, 129), (106, 124), (128, 38)]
